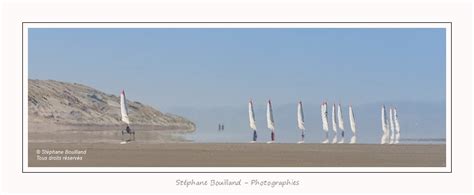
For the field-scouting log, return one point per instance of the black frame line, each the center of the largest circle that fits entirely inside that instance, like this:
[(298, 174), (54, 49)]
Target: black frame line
[(100, 172)]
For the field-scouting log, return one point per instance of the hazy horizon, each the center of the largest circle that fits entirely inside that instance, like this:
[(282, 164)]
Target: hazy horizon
[(185, 70)]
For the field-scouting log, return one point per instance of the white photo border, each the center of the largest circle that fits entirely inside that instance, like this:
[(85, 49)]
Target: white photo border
[(446, 25)]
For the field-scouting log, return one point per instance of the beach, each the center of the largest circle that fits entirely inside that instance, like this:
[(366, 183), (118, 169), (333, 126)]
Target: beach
[(136, 154)]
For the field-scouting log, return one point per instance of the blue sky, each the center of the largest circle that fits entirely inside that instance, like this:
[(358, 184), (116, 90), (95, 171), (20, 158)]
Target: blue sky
[(225, 67)]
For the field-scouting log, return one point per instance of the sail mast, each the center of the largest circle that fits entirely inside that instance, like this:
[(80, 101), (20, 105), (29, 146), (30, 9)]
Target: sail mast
[(340, 122), (124, 108), (397, 126), (384, 126), (270, 121), (339, 117), (392, 127), (324, 118), (301, 120), (300, 116), (252, 122), (353, 125), (334, 123)]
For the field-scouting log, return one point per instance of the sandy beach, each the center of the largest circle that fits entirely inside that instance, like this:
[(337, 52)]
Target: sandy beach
[(234, 155)]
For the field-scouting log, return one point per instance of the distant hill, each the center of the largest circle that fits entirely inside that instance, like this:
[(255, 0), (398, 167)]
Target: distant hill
[(55, 104)]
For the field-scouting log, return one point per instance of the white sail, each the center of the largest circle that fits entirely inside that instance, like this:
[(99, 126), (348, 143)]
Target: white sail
[(324, 116), (253, 124), (340, 122), (397, 126), (392, 127), (334, 120), (353, 139), (334, 123), (123, 108), (270, 121), (353, 125), (339, 117), (384, 126), (300, 116)]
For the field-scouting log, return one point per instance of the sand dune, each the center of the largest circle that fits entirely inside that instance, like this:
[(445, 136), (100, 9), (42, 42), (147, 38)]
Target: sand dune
[(55, 105)]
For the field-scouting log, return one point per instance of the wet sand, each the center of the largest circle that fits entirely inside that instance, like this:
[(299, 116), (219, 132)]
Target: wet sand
[(238, 155)]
